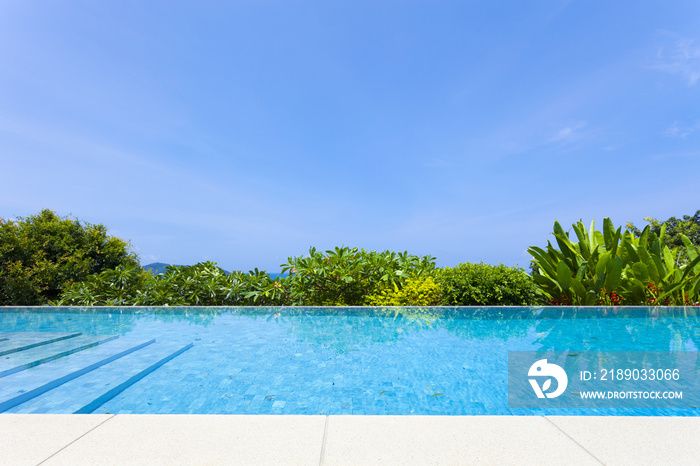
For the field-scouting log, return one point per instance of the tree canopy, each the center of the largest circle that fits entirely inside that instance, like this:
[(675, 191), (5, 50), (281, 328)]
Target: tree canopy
[(688, 226), (43, 254)]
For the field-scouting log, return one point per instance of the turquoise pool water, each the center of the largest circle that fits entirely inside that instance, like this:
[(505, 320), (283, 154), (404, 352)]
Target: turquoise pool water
[(437, 361)]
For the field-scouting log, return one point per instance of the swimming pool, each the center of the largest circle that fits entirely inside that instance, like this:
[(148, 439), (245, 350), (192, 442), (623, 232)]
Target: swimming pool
[(405, 361)]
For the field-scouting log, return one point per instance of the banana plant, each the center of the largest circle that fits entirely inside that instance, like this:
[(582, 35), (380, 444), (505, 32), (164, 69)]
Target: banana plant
[(578, 272), (612, 267), (653, 276)]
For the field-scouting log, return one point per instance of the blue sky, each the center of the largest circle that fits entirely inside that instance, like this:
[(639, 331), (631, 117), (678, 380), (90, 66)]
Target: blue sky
[(246, 132)]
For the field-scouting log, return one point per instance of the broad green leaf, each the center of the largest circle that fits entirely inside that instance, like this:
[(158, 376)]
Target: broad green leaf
[(656, 248), (564, 275), (688, 269), (690, 247), (583, 246), (628, 252), (566, 247), (644, 237), (612, 279), (608, 233), (662, 233), (640, 272), (600, 240), (569, 253), (557, 229), (581, 272), (549, 284), (659, 264), (555, 253), (668, 259), (616, 241), (580, 230), (646, 258), (543, 260), (602, 266), (578, 288)]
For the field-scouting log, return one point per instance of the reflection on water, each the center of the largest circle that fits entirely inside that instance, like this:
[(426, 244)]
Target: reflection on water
[(347, 328)]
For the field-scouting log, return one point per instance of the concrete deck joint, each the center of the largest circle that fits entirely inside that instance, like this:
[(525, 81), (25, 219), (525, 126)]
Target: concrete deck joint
[(573, 440), (323, 441), (75, 440)]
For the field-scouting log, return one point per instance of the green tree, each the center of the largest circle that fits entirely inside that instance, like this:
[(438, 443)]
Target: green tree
[(675, 228), (43, 254)]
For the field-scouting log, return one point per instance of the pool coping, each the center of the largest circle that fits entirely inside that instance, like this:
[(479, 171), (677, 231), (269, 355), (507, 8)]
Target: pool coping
[(54, 439)]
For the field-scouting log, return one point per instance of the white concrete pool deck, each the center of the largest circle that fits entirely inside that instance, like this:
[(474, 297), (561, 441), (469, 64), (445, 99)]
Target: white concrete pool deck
[(52, 439)]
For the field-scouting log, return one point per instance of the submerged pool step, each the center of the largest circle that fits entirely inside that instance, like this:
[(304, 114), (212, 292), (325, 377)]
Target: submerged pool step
[(22, 341), (22, 360), (85, 394), (22, 386)]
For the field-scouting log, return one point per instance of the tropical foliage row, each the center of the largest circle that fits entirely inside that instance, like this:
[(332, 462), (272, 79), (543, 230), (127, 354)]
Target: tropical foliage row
[(340, 277), (46, 259)]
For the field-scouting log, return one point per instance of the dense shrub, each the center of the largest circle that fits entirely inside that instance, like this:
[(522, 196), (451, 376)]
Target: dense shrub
[(486, 285), (42, 255), (421, 291), (123, 286), (202, 284), (256, 288), (346, 276)]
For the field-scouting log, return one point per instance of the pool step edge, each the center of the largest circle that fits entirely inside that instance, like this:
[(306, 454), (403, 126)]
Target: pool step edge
[(40, 343), (53, 357), (107, 396), (19, 399)]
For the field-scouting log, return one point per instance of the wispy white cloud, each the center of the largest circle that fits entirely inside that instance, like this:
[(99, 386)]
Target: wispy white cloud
[(677, 130), (568, 134), (680, 57), (564, 133)]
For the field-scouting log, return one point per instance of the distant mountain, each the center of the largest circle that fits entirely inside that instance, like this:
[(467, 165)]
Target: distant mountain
[(159, 267), (156, 267)]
